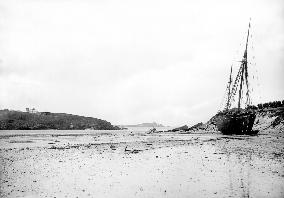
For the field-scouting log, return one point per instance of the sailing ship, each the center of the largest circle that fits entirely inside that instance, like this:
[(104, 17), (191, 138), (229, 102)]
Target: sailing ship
[(237, 120)]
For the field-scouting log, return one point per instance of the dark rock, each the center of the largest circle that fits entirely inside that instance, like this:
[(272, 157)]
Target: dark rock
[(182, 128)]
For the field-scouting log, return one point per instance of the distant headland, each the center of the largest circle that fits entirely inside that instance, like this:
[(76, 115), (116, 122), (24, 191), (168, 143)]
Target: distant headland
[(152, 124)]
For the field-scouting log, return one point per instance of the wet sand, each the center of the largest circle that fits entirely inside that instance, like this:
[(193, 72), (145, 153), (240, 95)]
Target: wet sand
[(124, 164)]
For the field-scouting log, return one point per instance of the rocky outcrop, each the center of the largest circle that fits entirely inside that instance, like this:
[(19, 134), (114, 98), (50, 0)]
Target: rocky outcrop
[(182, 128)]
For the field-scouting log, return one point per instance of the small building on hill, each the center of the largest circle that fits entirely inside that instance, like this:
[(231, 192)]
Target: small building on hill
[(31, 110)]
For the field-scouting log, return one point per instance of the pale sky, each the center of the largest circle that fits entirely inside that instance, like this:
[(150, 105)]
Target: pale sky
[(134, 61)]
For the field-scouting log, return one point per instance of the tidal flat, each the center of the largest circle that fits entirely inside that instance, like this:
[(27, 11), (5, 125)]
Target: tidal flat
[(136, 164)]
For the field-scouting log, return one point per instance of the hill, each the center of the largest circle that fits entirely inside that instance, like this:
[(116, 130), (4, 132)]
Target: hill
[(17, 120)]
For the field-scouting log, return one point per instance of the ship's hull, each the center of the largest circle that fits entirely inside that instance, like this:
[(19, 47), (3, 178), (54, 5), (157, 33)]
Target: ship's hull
[(238, 123)]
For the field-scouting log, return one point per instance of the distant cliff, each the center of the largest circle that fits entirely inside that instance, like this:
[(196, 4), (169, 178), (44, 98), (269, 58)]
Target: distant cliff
[(17, 120), (153, 124)]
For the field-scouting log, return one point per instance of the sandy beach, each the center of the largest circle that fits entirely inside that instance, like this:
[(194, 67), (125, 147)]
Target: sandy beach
[(136, 164)]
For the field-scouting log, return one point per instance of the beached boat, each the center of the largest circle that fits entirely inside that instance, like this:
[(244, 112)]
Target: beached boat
[(237, 120), (152, 130)]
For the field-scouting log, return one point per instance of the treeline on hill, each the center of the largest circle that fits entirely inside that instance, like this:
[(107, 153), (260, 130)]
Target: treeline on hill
[(17, 120), (273, 104)]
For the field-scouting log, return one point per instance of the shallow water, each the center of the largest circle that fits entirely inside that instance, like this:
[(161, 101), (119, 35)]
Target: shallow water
[(125, 164)]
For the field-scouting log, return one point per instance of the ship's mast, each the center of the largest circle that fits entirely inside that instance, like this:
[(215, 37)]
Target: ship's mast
[(229, 90), (243, 70)]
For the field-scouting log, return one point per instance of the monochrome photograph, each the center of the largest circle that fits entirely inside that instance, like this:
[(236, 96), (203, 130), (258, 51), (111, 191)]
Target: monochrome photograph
[(146, 99)]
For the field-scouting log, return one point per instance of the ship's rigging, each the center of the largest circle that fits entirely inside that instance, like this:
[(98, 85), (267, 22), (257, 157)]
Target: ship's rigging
[(240, 83)]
